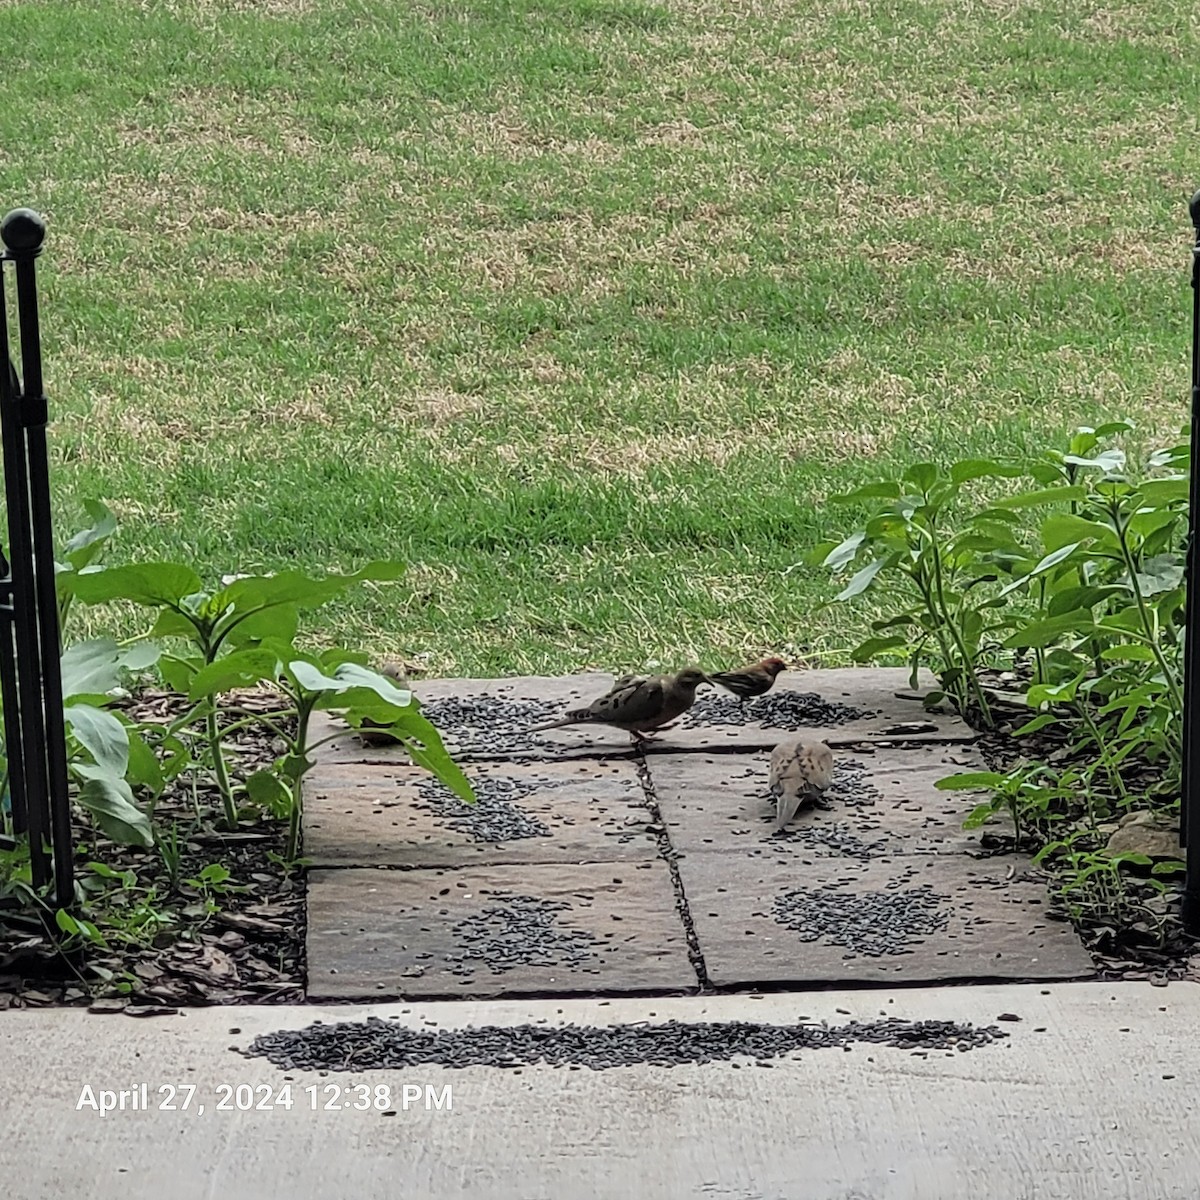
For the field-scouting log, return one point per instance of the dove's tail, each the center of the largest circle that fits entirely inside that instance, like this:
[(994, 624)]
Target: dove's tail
[(786, 807)]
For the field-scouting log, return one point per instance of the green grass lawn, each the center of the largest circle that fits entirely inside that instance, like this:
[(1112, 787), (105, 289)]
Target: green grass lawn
[(584, 308)]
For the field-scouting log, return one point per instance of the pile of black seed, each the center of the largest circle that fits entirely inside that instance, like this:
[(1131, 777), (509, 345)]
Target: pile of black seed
[(850, 787), (520, 931), (838, 837), (871, 923), (489, 724), (494, 817), (375, 1044), (776, 710)]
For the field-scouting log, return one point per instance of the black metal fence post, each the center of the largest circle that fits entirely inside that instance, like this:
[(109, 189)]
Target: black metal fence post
[(1189, 808), (30, 669)]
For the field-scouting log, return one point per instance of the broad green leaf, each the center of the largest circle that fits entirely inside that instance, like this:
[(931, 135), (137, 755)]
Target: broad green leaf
[(1043, 496), (1170, 866), (242, 668), (140, 656), (872, 647), (267, 790), (982, 468), (1107, 460), (91, 668), (839, 556), (1108, 428), (1128, 652), (1164, 491), (1052, 693), (1162, 573), (280, 622), (1038, 722), (1061, 528), (143, 770), (1133, 857), (172, 624), (903, 620), (151, 583), (1073, 598), (969, 779), (861, 580), (87, 543), (922, 475), (1041, 633), (111, 805), (102, 735), (295, 588), (1147, 521), (350, 677), (177, 673), (979, 815), (1054, 558)]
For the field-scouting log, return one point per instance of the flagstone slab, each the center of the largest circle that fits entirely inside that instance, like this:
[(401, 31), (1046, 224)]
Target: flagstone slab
[(903, 919), (495, 931), (874, 704), (883, 802), (481, 719), (490, 718), (400, 816)]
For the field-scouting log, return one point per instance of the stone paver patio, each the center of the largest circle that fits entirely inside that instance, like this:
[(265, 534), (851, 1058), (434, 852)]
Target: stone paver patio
[(591, 868)]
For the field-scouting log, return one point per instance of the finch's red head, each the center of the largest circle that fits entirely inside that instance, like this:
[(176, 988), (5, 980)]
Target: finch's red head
[(774, 665)]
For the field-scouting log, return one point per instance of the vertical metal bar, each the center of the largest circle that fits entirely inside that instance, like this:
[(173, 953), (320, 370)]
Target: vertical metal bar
[(13, 743), (12, 710), (33, 737), (21, 232), (1189, 808), (34, 415)]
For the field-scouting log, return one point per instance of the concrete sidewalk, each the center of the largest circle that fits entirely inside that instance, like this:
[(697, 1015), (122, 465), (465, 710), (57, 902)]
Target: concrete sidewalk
[(1092, 1097)]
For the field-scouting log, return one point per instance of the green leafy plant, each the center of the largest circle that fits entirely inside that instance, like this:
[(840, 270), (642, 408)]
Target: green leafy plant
[(1078, 582), (947, 564), (242, 635)]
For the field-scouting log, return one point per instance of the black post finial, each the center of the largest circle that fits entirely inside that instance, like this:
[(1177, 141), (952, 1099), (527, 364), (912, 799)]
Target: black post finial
[(1194, 209), (23, 231)]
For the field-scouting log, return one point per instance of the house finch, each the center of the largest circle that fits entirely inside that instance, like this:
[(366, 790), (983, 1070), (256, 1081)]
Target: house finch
[(801, 769), (751, 681), (637, 703)]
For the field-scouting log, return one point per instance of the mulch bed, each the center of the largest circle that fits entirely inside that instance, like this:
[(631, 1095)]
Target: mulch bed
[(251, 950), (1136, 951)]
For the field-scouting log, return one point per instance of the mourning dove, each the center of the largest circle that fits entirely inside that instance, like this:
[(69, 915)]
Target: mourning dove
[(754, 680), (637, 703), (801, 769)]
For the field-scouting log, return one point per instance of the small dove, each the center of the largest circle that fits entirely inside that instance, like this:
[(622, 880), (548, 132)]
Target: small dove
[(801, 769), (638, 704), (754, 680)]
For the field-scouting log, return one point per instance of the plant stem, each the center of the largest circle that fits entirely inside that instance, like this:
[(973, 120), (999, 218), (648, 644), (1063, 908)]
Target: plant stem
[(1105, 760), (965, 656), (1147, 624), (304, 709), (220, 773)]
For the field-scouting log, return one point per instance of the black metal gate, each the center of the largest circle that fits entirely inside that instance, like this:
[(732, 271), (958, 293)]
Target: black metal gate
[(30, 670)]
